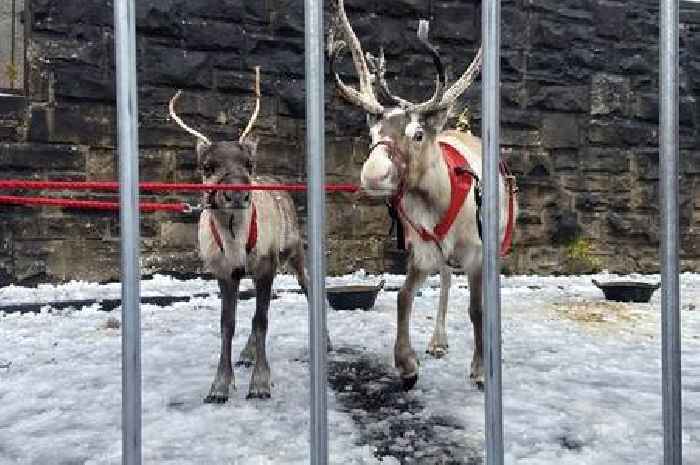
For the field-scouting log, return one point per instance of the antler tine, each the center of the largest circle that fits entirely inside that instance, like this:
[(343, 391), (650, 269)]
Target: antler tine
[(423, 30), (378, 66), (463, 83), (350, 94), (254, 117), (182, 124), (365, 97), (441, 78)]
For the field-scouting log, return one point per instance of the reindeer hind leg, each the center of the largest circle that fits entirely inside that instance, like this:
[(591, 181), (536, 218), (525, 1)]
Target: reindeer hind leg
[(297, 261), (260, 378), (476, 315)]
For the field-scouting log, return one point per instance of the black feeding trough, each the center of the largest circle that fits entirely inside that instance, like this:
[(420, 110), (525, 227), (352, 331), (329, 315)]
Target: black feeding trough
[(627, 291), (353, 296)]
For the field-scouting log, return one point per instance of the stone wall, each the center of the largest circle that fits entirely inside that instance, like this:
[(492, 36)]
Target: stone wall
[(579, 116)]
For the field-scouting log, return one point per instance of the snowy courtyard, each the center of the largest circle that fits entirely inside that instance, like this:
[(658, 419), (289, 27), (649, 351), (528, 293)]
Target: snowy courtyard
[(581, 379)]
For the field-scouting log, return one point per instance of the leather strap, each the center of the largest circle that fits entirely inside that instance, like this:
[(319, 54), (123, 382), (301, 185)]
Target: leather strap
[(252, 232)]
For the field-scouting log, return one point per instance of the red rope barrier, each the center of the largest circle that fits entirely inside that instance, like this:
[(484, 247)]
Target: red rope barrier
[(90, 204), (21, 184)]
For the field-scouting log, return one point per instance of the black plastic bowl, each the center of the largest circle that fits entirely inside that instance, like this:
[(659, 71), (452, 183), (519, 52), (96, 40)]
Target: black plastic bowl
[(627, 291), (353, 297)]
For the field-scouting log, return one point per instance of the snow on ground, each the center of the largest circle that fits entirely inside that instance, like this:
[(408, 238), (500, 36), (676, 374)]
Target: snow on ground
[(581, 377)]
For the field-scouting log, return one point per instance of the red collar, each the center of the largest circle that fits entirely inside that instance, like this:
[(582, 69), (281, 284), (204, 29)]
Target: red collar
[(252, 232)]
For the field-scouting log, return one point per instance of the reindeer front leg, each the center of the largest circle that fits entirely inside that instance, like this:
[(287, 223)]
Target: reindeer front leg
[(404, 355), (475, 314), (219, 391), (438, 343), (260, 378)]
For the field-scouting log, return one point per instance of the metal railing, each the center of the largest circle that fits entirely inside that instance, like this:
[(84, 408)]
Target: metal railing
[(668, 179), (491, 103), (128, 143), (315, 166), (11, 45), (128, 153)]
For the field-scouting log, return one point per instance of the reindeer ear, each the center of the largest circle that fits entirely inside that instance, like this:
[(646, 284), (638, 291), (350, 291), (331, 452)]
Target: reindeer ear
[(435, 121)]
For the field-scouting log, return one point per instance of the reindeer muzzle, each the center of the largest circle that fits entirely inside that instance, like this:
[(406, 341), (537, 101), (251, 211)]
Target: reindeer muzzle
[(225, 200), (383, 169)]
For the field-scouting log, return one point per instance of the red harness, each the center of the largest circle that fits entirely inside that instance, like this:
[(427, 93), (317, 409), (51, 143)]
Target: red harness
[(252, 232), (461, 180)]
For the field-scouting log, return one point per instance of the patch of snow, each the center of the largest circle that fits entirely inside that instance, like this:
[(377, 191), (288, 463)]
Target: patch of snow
[(581, 377)]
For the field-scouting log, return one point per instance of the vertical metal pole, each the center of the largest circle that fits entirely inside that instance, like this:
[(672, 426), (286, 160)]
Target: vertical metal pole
[(491, 100), (127, 114), (670, 294), (315, 166), (13, 38)]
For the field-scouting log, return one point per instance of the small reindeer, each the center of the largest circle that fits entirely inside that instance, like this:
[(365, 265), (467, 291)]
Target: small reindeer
[(243, 232), (432, 176)]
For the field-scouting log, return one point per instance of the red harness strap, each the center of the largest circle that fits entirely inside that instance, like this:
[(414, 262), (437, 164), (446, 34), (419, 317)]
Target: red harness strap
[(215, 233), (461, 181), (252, 232), (507, 242)]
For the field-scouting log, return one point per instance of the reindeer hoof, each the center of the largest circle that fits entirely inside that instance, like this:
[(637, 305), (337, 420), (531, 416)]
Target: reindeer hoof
[(437, 351), (245, 363), (478, 381), (258, 395), (218, 393), (409, 381), (216, 399)]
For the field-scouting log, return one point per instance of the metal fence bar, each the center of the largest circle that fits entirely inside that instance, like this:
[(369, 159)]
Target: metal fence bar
[(315, 165), (127, 113), (670, 293), (491, 102), (14, 43)]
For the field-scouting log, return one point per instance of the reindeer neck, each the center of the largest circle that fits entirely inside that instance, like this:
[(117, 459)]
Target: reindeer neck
[(429, 179)]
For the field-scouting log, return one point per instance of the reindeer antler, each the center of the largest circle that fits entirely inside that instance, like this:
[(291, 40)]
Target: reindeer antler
[(378, 69), (463, 83), (365, 97), (442, 98), (440, 80), (254, 117), (181, 123)]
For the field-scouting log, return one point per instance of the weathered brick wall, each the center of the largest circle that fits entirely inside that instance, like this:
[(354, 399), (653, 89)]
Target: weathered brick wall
[(579, 115)]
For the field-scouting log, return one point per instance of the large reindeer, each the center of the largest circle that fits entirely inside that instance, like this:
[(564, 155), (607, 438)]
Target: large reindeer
[(432, 176), (243, 232)]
